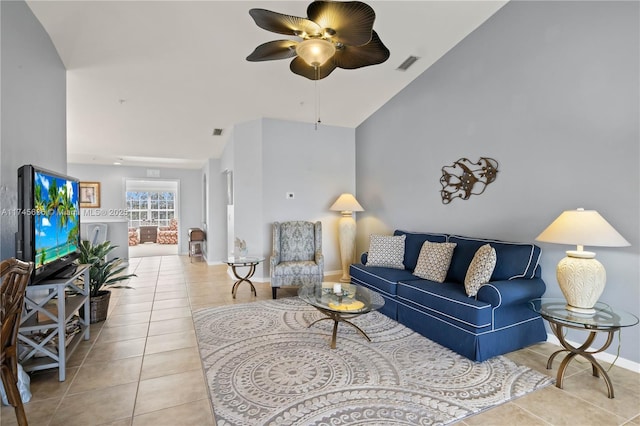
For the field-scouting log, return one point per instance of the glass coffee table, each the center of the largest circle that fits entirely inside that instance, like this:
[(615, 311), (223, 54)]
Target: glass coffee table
[(606, 319), (243, 261), (341, 302)]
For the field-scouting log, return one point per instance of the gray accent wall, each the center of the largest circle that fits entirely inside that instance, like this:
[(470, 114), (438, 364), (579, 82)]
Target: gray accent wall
[(270, 158), (551, 91), (32, 108)]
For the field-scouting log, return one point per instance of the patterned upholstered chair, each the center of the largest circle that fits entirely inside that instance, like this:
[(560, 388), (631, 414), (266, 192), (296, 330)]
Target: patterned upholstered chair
[(297, 257), (134, 238), (168, 234)]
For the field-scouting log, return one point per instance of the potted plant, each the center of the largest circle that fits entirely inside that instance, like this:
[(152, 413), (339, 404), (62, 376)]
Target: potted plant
[(102, 273)]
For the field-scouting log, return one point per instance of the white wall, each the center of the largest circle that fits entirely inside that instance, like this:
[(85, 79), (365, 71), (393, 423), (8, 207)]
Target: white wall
[(33, 115), (551, 91), (215, 227), (112, 192), (248, 179)]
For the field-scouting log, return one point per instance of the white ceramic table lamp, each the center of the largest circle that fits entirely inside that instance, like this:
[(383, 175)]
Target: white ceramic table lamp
[(581, 277), (347, 204)]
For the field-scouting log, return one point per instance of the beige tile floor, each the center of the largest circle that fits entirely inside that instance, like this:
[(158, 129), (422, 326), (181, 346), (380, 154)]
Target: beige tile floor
[(141, 366)]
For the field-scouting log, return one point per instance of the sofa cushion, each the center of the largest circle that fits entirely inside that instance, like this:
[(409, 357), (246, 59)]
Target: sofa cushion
[(446, 300), (383, 280), (480, 269), (434, 260), (514, 260), (413, 245), (386, 251)]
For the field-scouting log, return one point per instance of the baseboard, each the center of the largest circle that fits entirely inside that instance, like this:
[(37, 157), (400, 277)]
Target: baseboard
[(212, 262), (602, 356), (263, 279)]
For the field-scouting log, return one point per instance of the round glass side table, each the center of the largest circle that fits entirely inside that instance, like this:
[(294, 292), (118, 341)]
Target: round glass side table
[(606, 319), (243, 261)]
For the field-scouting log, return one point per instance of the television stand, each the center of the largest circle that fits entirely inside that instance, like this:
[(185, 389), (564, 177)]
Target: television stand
[(49, 308)]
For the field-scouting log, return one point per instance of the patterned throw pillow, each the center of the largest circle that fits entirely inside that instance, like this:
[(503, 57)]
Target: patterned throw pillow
[(434, 260), (480, 269), (386, 251)]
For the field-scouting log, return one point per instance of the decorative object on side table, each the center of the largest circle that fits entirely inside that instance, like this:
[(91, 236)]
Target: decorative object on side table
[(240, 247), (102, 273), (340, 303), (605, 319), (347, 204), (581, 277)]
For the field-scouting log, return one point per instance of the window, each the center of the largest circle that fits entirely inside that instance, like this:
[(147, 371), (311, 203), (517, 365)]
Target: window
[(150, 208)]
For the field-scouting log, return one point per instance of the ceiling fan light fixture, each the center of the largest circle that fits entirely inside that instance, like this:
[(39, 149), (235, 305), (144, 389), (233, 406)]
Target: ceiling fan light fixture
[(315, 51), (335, 34)]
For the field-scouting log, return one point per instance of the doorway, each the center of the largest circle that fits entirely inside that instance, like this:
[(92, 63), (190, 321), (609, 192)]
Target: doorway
[(153, 217)]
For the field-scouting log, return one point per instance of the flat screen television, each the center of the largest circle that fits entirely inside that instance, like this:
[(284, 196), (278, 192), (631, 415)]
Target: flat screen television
[(48, 222)]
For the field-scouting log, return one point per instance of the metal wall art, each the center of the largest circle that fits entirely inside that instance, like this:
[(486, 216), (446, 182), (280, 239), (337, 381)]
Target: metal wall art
[(464, 178)]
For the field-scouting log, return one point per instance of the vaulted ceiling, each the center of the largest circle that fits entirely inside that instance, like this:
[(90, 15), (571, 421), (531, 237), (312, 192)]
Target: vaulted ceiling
[(149, 81)]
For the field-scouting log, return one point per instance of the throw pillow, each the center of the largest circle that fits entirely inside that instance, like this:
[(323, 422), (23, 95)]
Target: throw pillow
[(434, 260), (386, 251), (480, 269)]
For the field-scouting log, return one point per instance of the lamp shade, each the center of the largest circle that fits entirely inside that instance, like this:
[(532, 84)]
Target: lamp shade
[(582, 228), (315, 51), (346, 203), (580, 276)]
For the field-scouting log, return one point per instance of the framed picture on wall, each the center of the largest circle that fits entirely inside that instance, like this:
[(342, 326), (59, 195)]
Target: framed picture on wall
[(90, 195)]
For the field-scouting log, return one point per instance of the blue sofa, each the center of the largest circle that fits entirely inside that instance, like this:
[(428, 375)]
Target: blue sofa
[(496, 321)]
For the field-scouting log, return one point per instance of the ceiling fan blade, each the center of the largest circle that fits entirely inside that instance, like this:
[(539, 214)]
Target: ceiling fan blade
[(272, 50), (283, 24), (352, 21), (300, 67), (351, 57)]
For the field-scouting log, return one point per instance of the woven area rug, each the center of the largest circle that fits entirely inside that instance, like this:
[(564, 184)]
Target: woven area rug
[(265, 367)]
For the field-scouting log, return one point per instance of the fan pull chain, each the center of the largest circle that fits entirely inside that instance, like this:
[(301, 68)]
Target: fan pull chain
[(317, 98)]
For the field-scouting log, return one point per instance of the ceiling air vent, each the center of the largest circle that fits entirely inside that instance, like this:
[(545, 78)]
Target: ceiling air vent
[(407, 63), (217, 132)]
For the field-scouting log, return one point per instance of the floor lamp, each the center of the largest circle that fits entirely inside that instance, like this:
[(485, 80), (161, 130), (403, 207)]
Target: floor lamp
[(347, 204), (580, 276)]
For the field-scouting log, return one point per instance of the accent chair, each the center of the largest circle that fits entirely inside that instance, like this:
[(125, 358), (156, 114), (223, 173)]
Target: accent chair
[(134, 239), (296, 258), (168, 234), (15, 276)]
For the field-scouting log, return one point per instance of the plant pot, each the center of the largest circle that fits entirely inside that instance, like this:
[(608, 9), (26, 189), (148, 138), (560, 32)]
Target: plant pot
[(99, 306)]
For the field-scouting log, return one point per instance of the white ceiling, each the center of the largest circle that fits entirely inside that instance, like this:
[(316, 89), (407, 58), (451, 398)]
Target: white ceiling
[(148, 81)]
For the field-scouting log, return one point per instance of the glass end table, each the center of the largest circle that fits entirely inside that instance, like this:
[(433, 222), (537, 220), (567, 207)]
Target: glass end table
[(243, 261), (605, 319), (340, 302)]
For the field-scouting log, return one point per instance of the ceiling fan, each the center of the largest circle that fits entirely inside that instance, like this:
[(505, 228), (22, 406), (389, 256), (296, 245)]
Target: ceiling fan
[(335, 35)]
